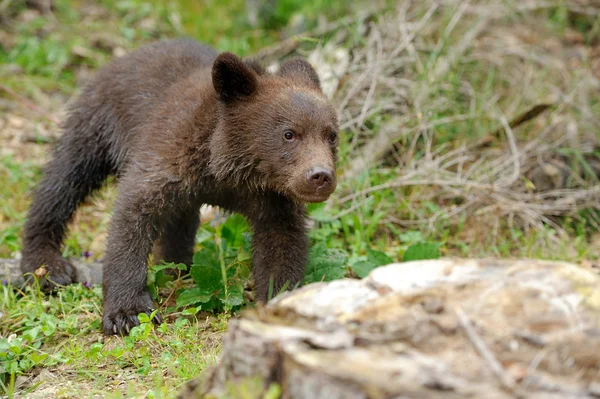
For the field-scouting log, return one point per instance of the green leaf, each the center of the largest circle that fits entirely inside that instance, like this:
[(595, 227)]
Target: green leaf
[(374, 259), (325, 264), (273, 392), (363, 268), (193, 296), (162, 278), (378, 257), (233, 230), (31, 335), (422, 251), (244, 256), (96, 347), (163, 328), (37, 358), (317, 211), (235, 297), (204, 235), (209, 255), (49, 328), (16, 348), (225, 260), (144, 318), (191, 311), (164, 266), (206, 270)]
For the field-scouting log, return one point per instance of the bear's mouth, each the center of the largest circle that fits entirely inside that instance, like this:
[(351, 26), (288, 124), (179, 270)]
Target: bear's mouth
[(312, 197)]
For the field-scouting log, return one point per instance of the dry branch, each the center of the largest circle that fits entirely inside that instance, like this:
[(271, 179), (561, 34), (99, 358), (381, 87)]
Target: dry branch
[(284, 48)]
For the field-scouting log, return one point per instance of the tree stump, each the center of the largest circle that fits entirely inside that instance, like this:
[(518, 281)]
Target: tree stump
[(425, 329)]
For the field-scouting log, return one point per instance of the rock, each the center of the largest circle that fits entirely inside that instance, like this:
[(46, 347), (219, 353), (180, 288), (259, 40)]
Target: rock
[(87, 272), (452, 328), (331, 62)]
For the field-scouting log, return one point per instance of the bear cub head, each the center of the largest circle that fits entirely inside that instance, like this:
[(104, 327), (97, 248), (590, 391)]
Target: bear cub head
[(274, 131)]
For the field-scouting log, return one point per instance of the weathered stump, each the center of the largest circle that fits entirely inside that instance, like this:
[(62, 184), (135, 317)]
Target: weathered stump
[(426, 329)]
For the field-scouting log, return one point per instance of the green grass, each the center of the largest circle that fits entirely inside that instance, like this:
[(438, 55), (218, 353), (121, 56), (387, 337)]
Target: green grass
[(16, 179), (61, 333)]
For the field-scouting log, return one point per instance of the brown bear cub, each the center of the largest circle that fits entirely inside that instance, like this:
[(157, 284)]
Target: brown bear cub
[(182, 126)]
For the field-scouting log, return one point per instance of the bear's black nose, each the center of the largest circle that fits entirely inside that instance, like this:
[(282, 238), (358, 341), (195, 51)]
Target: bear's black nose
[(320, 178)]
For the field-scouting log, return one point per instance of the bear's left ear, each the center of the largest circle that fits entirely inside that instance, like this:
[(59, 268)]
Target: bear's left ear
[(302, 70), (232, 78)]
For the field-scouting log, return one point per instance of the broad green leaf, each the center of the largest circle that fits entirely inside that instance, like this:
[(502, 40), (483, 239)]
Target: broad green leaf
[(206, 270), (378, 257), (191, 311), (37, 358), (96, 347), (209, 255), (16, 348), (374, 259), (422, 251), (207, 277), (162, 278), (144, 318), (235, 296), (163, 266), (363, 268), (194, 295), (31, 335), (325, 264), (204, 235), (233, 231), (49, 328)]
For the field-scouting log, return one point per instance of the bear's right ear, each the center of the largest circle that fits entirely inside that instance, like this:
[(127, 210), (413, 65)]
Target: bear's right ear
[(301, 69), (232, 78)]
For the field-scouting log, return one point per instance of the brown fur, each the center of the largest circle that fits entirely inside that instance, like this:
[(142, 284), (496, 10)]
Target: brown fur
[(182, 126)]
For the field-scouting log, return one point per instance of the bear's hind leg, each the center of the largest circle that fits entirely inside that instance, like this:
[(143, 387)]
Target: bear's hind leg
[(76, 170), (177, 238)]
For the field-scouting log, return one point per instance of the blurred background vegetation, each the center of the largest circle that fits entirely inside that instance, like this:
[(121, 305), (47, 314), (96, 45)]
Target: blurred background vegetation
[(48, 41)]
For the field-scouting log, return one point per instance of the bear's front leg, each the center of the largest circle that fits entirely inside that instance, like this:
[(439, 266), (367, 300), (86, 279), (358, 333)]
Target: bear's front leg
[(280, 246), (131, 236)]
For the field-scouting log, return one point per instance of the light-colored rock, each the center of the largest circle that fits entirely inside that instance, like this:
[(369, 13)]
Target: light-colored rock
[(331, 62), (452, 328), (87, 272)]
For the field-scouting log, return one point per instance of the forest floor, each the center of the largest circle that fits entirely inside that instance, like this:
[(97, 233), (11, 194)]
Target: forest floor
[(469, 129)]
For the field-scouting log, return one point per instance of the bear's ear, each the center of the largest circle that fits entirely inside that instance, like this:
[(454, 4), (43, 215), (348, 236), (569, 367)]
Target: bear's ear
[(232, 78), (300, 69)]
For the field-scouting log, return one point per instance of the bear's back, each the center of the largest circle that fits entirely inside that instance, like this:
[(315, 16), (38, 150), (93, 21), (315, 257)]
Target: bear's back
[(135, 83), (126, 92)]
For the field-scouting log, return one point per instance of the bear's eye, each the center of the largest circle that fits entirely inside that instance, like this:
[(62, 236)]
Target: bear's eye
[(333, 138), (289, 135)]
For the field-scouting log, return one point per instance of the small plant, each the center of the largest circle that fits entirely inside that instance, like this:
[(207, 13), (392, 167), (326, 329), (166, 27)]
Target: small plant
[(325, 264), (220, 268), (30, 322), (422, 251), (374, 260)]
